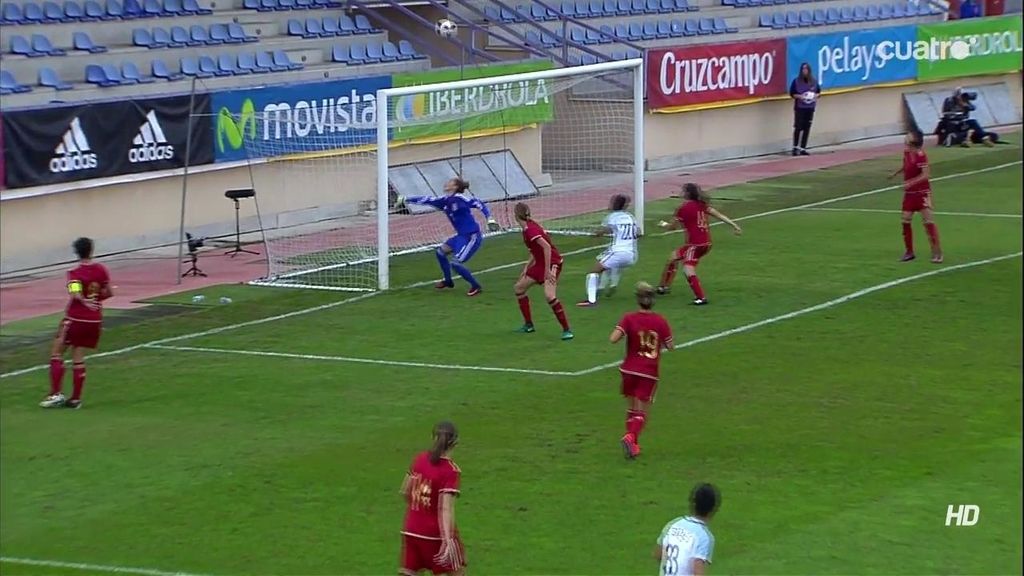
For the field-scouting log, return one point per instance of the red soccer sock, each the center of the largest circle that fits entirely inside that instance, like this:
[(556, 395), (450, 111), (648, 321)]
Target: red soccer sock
[(56, 374), (908, 237), (524, 308), (559, 310), (933, 236), (78, 379), (635, 420), (669, 274), (695, 286)]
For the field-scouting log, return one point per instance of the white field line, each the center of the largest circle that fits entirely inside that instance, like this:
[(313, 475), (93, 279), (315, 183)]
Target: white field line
[(354, 299), (880, 211), (90, 567), (687, 344), (353, 360)]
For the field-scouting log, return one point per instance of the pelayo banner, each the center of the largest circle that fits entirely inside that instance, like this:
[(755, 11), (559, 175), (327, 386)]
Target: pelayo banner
[(994, 47), (445, 113), (710, 73), (856, 57), (78, 142)]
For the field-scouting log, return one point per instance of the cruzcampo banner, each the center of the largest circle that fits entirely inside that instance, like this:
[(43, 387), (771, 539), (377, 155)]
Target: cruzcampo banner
[(994, 43), (470, 111)]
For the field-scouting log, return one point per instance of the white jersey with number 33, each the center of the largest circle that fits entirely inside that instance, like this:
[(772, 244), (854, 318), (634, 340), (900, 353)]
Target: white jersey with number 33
[(623, 230), (682, 541)]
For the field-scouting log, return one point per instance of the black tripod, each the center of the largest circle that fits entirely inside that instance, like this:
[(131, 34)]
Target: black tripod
[(235, 196), (193, 269)]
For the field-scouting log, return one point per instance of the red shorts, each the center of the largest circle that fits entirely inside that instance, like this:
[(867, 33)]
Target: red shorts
[(640, 387), (691, 254), (538, 275), (80, 334), (418, 554), (916, 202)]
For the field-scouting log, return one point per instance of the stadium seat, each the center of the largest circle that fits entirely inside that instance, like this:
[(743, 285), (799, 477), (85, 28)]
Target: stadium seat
[(729, 3), (832, 16), (652, 6), (251, 4), (82, 41), (32, 13), (314, 28), (74, 11), (266, 60), (331, 27), (42, 44), (201, 35), (859, 14), (219, 34), (689, 7), (363, 24), (583, 9), (281, 59), (115, 11), (151, 8), (592, 36), (885, 12), (492, 14), (21, 47), (53, 13), (236, 32), (926, 9), (130, 72), (578, 35), (227, 64), (247, 61), (548, 39), (180, 37), (160, 70), (357, 54), (48, 78), (806, 18), (96, 75), (589, 59), (650, 30), (872, 13), (267, 5), (664, 29), (705, 26), (742, 3), (765, 21), (113, 74), (624, 7), (677, 28), (283, 5), (374, 52), (392, 53), (778, 21), (9, 84), (340, 54), (722, 27), (846, 15), (575, 60), (11, 14), (346, 24), (173, 8), (639, 6), (190, 67), (899, 10), (193, 7), (792, 20), (690, 28), (93, 11), (533, 39), (295, 28), (405, 48), (132, 9), (161, 38), (208, 65)]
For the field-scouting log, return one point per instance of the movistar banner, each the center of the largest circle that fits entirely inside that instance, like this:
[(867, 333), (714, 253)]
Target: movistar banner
[(994, 46), (276, 120), (445, 113), (857, 57)]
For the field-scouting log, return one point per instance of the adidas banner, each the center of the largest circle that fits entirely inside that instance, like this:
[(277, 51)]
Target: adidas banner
[(96, 140)]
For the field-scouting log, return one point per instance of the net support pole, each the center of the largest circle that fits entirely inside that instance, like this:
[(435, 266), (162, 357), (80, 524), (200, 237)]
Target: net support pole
[(184, 181), (383, 240), (638, 144)]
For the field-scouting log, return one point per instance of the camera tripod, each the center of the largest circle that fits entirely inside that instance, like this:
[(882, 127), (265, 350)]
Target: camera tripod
[(193, 269)]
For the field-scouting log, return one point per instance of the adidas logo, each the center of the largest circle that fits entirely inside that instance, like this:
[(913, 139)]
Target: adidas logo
[(73, 153), (150, 144)]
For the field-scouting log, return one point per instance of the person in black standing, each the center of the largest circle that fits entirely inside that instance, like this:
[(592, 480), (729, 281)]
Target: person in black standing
[(804, 90)]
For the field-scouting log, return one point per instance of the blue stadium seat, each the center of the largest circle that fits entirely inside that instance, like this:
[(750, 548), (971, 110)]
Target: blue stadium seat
[(589, 59), (575, 60), (765, 21), (568, 7), (639, 6), (677, 28), (331, 27), (685, 4), (778, 21), (208, 65), (114, 75), (806, 18), (729, 3), (597, 8), (42, 44), (49, 79), (283, 5), (926, 9), (201, 35), (295, 28), (160, 70), (664, 29), (792, 20), (281, 59), (340, 54), (265, 60), (665, 7), (374, 52), (720, 23), (32, 13), (357, 54), (610, 7), (607, 33), (596, 37), (151, 8), (533, 39), (228, 66), (115, 11), (21, 47), (10, 85), (53, 13), (832, 16), (624, 7), (82, 41), (247, 61), (885, 11), (93, 11), (267, 5), (130, 72), (742, 3), (492, 14), (303, 4), (347, 25), (236, 32), (132, 9), (173, 8), (162, 38), (314, 28), (859, 14), (690, 28), (97, 75), (405, 48), (899, 9), (219, 34), (74, 11), (820, 18), (180, 37), (846, 15), (633, 53), (548, 39), (578, 35), (11, 14), (652, 6), (583, 9), (705, 26), (621, 31), (326, 4), (251, 4), (363, 25), (872, 13), (193, 7), (618, 55), (142, 37), (190, 67), (391, 53)]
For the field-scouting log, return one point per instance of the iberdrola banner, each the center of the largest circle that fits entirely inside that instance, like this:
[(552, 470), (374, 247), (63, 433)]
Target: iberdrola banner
[(994, 47)]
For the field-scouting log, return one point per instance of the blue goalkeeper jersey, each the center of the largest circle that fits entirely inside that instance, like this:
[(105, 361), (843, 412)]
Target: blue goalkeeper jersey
[(458, 208)]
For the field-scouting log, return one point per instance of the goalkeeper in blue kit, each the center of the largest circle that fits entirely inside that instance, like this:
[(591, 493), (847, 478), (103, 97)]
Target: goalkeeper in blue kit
[(457, 250)]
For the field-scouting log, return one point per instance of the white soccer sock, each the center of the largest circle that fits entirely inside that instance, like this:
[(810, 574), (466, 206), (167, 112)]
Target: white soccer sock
[(614, 277), (604, 279), (592, 287)]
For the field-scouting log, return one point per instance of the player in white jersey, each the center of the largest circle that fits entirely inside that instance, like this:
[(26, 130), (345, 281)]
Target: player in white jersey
[(621, 226), (686, 544)]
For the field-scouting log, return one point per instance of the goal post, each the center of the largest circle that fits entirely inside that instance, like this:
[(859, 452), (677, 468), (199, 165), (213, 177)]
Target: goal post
[(386, 117), (329, 171)]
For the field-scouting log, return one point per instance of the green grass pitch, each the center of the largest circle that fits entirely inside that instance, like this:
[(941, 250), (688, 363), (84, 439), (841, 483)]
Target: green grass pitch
[(837, 436)]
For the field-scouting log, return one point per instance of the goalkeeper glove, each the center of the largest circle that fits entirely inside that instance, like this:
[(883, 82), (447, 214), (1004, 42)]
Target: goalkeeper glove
[(492, 225), (400, 201)]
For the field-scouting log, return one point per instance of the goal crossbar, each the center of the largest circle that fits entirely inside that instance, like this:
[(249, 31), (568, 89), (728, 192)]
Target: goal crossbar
[(383, 118)]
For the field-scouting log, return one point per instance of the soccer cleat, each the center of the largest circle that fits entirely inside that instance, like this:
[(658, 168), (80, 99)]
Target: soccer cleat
[(663, 290), (988, 142), (442, 285), (474, 291), (908, 257), (73, 404), (586, 304), (567, 335), (526, 329), (53, 401), (804, 152), (937, 259), (700, 301), (630, 448)]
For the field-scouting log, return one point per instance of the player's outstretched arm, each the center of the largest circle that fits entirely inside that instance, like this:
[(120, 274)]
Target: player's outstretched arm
[(670, 225), (433, 202), (718, 215), (492, 224)]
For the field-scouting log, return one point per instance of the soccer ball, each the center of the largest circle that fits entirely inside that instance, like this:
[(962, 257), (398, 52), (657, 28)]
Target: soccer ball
[(445, 28), (810, 97)]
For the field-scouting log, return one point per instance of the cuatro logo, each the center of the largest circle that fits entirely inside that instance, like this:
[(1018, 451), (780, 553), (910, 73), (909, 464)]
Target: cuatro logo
[(232, 129), (410, 108)]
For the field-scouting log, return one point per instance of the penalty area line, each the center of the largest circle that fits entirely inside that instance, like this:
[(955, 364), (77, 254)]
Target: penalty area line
[(823, 306), (91, 567), (882, 211), (354, 299)]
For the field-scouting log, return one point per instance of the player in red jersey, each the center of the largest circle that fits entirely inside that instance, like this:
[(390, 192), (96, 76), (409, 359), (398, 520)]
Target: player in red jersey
[(647, 334), (430, 540), (88, 285), (692, 215), (544, 268), (917, 197)]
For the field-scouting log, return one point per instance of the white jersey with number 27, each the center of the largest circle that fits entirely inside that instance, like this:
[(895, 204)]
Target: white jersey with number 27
[(682, 541), (623, 230)]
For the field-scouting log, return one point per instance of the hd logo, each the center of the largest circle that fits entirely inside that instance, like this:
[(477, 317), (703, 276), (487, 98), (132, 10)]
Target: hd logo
[(150, 144)]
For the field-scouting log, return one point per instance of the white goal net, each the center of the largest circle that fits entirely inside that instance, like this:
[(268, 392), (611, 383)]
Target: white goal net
[(563, 140)]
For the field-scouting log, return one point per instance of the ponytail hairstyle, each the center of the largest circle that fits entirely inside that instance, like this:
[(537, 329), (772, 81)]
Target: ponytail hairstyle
[(619, 202), (522, 211), (693, 191), (461, 185), (645, 295), (445, 438)]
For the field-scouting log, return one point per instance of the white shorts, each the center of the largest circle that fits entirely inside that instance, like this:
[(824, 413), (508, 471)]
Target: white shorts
[(617, 260)]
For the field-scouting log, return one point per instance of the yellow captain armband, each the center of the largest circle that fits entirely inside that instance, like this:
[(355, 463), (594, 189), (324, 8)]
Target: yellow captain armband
[(74, 287)]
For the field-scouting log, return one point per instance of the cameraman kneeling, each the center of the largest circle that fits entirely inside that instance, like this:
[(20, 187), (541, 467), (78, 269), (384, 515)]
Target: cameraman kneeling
[(957, 123)]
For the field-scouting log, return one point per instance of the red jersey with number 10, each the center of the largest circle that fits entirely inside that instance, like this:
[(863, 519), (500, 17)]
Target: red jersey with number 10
[(647, 334), (693, 215), (427, 481), (531, 233), (92, 280), (914, 163)]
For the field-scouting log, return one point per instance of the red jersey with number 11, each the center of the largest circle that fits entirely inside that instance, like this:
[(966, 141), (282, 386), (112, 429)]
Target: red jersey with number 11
[(693, 215), (914, 163), (647, 334), (533, 232), (427, 481), (91, 280)]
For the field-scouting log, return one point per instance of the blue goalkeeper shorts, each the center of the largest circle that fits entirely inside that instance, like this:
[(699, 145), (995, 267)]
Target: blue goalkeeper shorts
[(463, 247)]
